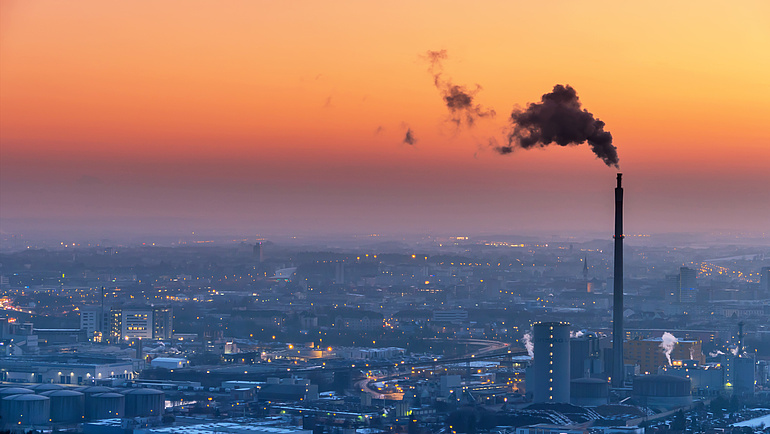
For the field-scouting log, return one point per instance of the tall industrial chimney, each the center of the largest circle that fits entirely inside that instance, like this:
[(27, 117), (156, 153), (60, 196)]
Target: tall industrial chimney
[(617, 305)]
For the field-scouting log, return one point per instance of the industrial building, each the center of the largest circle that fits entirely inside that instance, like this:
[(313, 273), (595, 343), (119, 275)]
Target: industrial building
[(551, 368), (650, 356), (662, 392), (63, 371)]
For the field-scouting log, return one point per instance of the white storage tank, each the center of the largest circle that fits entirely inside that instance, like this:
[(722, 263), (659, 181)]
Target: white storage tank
[(105, 406), (93, 390), (8, 391), (45, 387), (67, 406), (145, 403), (25, 410)]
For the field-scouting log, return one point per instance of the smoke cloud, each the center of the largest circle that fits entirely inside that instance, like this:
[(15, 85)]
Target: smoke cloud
[(558, 118), (458, 99), (576, 334), (668, 341), (716, 353), (527, 339), (409, 138)]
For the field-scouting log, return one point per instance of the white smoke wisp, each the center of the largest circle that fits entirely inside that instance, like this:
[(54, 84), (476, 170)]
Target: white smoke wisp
[(734, 350), (527, 339), (692, 353), (716, 353), (667, 344), (576, 334)]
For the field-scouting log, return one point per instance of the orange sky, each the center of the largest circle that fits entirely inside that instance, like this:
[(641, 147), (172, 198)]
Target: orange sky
[(264, 116)]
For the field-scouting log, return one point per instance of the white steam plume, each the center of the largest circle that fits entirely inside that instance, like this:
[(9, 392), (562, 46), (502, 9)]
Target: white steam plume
[(716, 353), (692, 353), (527, 339), (576, 334), (667, 344)]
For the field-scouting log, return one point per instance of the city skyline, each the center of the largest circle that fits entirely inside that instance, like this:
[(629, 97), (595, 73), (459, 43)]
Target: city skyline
[(260, 117)]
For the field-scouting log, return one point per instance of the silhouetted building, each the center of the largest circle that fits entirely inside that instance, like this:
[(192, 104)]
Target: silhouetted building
[(551, 367), (688, 286), (257, 251)]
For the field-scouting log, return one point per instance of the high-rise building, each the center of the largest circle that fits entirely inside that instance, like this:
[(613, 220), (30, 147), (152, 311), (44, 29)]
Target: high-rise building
[(688, 286), (162, 322), (764, 280), (551, 367)]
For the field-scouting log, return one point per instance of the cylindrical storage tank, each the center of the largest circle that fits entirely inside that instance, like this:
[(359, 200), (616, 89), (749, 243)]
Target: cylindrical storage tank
[(145, 403), (93, 390), (45, 387), (105, 406), (8, 391), (551, 362), (589, 392), (67, 406), (664, 392), (25, 410)]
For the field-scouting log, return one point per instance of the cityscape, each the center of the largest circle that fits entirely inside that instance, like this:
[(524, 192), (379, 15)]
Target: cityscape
[(369, 218)]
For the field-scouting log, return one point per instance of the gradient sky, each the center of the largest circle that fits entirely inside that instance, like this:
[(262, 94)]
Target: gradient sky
[(266, 116)]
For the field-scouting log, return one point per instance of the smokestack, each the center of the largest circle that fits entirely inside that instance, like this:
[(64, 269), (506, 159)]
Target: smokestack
[(617, 305)]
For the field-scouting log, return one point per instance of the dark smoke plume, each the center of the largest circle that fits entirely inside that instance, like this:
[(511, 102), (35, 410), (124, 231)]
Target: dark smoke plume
[(409, 138), (458, 99), (559, 119)]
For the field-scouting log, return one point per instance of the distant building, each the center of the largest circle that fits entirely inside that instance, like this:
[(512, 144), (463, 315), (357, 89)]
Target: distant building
[(586, 355), (136, 323), (162, 322), (450, 315), (543, 428), (152, 322), (764, 280), (649, 355), (688, 285), (168, 362), (17, 338), (257, 252), (64, 370), (91, 321), (359, 320), (551, 368)]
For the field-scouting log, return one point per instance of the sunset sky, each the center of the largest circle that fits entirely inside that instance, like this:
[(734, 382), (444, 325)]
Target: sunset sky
[(289, 117)]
